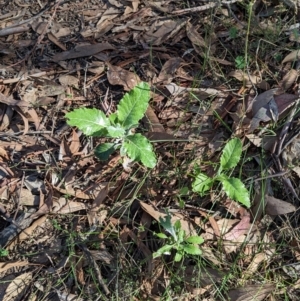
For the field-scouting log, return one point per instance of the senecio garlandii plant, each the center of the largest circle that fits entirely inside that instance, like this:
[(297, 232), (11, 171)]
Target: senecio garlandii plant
[(233, 187), (178, 240), (119, 126)]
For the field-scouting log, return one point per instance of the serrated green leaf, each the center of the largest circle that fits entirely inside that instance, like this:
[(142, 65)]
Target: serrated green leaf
[(103, 151), (133, 105), (181, 234), (165, 250), (138, 148), (191, 249), (236, 190), (115, 131), (177, 225), (195, 240), (178, 256), (231, 154), (87, 120), (161, 235), (202, 183)]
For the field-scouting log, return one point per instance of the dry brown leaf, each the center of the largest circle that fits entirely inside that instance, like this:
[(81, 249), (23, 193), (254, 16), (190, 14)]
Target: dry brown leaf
[(27, 198), (17, 287), (253, 267), (209, 255), (9, 100), (75, 143), (258, 206), (65, 296), (119, 76), (103, 28), (39, 27), (293, 56), (250, 79), (68, 80), (263, 107), (241, 228), (276, 206), (201, 93), (168, 70), (73, 207), (109, 14), (79, 193), (288, 80), (53, 38), (28, 232), (46, 207), (172, 112), (261, 100), (48, 87), (159, 136), (185, 225), (162, 30), (93, 218), (195, 276), (3, 153), (4, 266), (198, 42), (151, 121), (82, 51), (6, 113), (251, 292)]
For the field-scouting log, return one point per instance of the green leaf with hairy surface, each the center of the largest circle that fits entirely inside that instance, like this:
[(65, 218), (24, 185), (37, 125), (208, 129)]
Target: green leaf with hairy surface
[(191, 249), (165, 250), (178, 256), (133, 105), (116, 131), (195, 240), (138, 148), (161, 235), (202, 183), (235, 189), (103, 151), (231, 154), (113, 118), (89, 121)]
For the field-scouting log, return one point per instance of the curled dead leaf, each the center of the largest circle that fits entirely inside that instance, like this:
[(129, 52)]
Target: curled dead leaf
[(17, 287), (288, 79), (250, 79), (119, 76), (293, 56)]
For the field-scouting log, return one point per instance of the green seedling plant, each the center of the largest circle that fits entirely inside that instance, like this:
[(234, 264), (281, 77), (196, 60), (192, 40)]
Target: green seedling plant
[(240, 62), (119, 126), (233, 187), (178, 240)]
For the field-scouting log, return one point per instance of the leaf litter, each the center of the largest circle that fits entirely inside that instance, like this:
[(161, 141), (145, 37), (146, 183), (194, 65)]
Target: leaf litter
[(58, 200)]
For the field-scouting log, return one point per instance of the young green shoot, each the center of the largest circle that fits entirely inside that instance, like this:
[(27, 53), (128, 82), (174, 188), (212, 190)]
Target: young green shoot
[(233, 187), (178, 240)]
